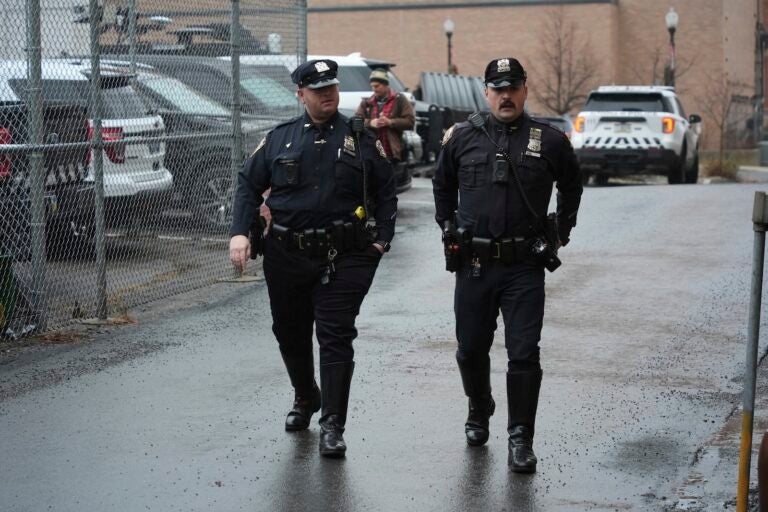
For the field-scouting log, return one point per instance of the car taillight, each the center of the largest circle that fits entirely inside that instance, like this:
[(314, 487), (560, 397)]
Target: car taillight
[(5, 159), (668, 124), (578, 125), (115, 152), (88, 152)]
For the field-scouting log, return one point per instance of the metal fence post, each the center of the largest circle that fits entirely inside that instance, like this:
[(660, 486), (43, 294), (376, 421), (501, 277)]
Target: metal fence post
[(759, 224), (98, 164), (132, 34), (237, 133), (36, 170), (301, 47)]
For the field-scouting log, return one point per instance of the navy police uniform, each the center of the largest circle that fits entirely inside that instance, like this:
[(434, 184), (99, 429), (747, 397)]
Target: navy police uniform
[(500, 271), (319, 260)]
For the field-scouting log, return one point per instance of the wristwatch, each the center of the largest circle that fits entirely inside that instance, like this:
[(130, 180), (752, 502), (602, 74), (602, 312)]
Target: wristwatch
[(383, 244)]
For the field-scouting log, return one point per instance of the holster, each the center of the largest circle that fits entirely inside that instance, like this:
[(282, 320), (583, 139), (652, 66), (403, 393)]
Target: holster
[(256, 236)]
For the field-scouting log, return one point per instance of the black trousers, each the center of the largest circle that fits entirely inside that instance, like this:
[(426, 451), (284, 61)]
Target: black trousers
[(298, 300), (515, 290)]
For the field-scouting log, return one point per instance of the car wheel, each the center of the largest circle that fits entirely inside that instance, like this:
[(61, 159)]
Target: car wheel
[(212, 198), (692, 174), (677, 170)]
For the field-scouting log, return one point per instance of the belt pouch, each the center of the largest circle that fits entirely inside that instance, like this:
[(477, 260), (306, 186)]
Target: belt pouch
[(283, 235), (349, 236), (482, 249), (309, 241), (321, 247), (337, 235)]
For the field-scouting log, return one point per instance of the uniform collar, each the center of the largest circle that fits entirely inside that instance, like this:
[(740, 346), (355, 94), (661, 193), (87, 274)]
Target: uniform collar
[(496, 125), (327, 127)]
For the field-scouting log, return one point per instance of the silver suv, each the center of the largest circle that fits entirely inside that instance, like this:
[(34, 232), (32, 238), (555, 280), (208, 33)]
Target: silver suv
[(637, 130), (134, 174)]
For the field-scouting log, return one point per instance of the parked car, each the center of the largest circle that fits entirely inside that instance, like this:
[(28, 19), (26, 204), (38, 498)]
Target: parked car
[(562, 123), (637, 130), (202, 169), (68, 197), (134, 174)]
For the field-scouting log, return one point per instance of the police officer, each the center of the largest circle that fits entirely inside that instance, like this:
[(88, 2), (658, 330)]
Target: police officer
[(503, 243), (319, 256)]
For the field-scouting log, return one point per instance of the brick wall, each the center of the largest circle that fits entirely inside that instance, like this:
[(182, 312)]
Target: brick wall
[(628, 40)]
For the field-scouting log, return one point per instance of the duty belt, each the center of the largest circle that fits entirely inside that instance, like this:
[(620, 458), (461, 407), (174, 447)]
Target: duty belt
[(342, 236), (505, 250)]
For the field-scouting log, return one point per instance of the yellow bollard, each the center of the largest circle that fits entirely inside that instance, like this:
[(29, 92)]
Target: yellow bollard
[(762, 474)]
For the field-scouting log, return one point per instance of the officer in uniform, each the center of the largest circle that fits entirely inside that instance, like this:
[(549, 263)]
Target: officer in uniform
[(320, 254), (501, 245)]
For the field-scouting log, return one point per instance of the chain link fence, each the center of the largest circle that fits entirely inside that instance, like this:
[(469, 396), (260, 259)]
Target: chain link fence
[(122, 126)]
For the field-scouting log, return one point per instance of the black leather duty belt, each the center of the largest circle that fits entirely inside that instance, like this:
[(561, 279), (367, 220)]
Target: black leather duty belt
[(342, 236), (506, 250)]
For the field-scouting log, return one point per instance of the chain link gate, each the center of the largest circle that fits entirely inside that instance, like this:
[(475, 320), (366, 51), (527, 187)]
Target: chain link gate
[(122, 126)]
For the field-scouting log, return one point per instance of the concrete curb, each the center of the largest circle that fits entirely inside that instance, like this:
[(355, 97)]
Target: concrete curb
[(752, 174)]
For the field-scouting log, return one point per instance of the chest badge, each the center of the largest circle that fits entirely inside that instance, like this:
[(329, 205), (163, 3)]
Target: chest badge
[(534, 140), (349, 145), (380, 147)]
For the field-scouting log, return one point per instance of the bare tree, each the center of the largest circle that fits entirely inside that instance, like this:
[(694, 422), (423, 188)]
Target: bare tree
[(653, 72), (720, 106), (568, 65)]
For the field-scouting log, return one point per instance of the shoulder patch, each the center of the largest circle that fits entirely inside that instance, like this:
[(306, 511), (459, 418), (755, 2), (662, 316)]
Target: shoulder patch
[(448, 134), (261, 145), (380, 147)]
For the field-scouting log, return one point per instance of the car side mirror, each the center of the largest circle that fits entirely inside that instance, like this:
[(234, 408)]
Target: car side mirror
[(694, 118)]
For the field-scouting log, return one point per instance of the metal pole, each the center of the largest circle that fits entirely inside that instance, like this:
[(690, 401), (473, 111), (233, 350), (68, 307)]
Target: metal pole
[(98, 163), (36, 169), (301, 50), (237, 134), (450, 66), (759, 224), (757, 121), (672, 59), (132, 34)]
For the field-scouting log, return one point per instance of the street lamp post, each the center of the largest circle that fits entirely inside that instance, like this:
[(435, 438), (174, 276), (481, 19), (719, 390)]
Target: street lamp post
[(448, 26), (671, 18)]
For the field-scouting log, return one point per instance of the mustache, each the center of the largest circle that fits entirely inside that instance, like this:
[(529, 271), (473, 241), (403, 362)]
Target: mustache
[(507, 104)]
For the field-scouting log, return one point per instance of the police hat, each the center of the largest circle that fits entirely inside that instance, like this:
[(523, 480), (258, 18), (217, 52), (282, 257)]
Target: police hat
[(504, 72), (379, 75), (316, 74)]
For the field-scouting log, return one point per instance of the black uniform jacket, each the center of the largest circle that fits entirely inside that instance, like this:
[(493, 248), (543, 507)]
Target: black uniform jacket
[(542, 156), (316, 178)]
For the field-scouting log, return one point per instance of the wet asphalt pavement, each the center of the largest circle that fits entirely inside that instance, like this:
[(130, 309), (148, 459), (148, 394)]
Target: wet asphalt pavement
[(642, 350)]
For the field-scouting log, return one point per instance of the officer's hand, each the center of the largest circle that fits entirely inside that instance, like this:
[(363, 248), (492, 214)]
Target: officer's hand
[(265, 212), (239, 251), (375, 123), (379, 247)]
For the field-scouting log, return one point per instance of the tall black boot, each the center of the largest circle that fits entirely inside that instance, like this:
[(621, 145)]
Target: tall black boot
[(476, 378), (335, 379), (306, 401), (523, 399)]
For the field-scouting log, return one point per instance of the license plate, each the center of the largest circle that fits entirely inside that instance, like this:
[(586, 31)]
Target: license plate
[(51, 204), (623, 128)]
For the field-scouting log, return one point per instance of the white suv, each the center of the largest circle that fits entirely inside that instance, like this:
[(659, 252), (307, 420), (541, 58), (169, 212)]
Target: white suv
[(135, 176), (636, 130)]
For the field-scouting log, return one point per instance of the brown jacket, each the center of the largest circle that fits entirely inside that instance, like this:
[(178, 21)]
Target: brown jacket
[(402, 118)]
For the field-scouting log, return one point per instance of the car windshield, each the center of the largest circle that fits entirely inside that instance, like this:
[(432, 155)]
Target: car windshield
[(354, 78), (628, 102), (184, 98), (269, 92)]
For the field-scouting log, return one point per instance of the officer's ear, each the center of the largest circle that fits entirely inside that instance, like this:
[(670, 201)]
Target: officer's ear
[(300, 94)]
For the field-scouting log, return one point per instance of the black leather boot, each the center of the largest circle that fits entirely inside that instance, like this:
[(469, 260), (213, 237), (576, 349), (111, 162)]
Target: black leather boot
[(306, 393), (476, 378), (335, 379), (523, 399)]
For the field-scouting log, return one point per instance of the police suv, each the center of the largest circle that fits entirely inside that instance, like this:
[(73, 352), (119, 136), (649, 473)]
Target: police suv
[(636, 130)]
